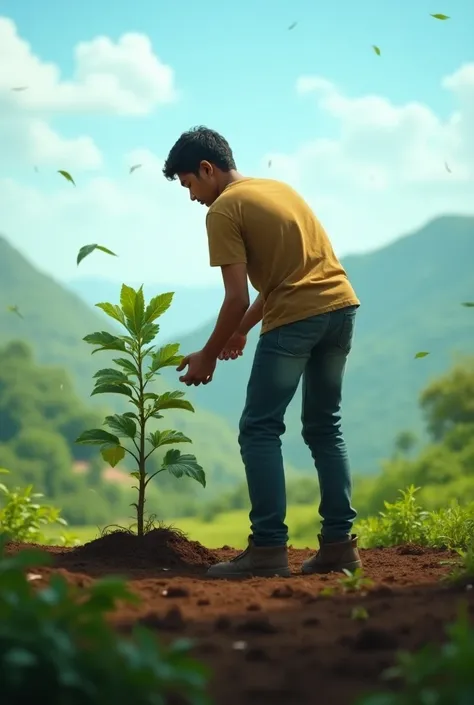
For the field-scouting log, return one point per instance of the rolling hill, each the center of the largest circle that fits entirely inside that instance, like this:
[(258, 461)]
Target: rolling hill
[(411, 293)]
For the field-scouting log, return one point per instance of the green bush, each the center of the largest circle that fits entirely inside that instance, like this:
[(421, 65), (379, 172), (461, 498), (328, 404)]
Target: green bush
[(62, 650)]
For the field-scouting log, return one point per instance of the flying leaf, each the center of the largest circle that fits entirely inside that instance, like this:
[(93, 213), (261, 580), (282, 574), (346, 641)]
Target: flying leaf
[(439, 16), (113, 455), (376, 49), (19, 88), (14, 309), (421, 354), (134, 168), (269, 163), (468, 304), (446, 166), (292, 25), (36, 169), (87, 249), (67, 176)]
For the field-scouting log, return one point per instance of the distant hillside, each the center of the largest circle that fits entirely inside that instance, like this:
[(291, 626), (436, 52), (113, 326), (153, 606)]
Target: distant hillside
[(196, 304), (411, 293)]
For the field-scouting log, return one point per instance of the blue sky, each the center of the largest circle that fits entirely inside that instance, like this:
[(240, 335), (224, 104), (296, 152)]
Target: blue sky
[(236, 68)]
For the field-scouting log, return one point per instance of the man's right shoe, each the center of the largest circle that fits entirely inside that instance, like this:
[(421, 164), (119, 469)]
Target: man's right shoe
[(334, 557)]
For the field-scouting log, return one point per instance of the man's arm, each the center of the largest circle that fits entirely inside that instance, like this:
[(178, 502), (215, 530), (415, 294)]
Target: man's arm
[(253, 315), (232, 312)]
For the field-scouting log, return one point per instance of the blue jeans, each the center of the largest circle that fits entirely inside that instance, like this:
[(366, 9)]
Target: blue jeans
[(316, 349)]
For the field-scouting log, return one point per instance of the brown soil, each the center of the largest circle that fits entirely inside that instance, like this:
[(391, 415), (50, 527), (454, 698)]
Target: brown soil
[(275, 641)]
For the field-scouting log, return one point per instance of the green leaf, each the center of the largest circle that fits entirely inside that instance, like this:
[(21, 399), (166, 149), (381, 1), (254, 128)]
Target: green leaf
[(172, 400), (165, 357), (105, 341), (376, 49), (113, 311), (97, 436), (183, 465), (421, 354), (67, 176), (135, 474), (113, 454), (112, 375), (123, 425), (111, 389), (127, 300), (157, 306), (87, 249), (139, 309), (468, 304), (439, 16), (127, 365), (161, 438)]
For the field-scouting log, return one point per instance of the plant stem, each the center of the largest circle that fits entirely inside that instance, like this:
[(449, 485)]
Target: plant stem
[(141, 448)]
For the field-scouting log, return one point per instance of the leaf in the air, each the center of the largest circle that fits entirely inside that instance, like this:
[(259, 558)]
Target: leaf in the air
[(269, 163), (162, 438), (97, 437), (113, 454), (67, 176), (14, 309), (187, 465), (134, 168), (468, 304), (439, 16), (123, 425), (421, 354), (376, 49), (17, 89), (292, 25), (87, 249), (446, 166), (157, 306), (172, 400)]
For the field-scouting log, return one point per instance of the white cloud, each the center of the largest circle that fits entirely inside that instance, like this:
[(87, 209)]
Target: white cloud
[(122, 78), (390, 168)]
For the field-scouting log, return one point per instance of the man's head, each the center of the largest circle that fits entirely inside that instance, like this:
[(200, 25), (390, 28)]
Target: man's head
[(203, 162)]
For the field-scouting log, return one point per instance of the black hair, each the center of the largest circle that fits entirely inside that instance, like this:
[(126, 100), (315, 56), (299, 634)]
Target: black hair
[(197, 145)]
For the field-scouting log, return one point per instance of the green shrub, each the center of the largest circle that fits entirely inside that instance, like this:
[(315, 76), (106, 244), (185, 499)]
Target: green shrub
[(61, 651)]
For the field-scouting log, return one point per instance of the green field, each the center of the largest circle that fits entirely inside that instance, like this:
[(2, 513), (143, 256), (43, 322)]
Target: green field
[(230, 529)]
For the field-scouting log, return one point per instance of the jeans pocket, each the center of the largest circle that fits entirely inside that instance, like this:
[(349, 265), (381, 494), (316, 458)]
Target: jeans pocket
[(299, 338), (346, 331)]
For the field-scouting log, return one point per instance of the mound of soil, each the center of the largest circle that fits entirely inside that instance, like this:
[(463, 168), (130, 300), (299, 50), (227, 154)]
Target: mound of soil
[(160, 549)]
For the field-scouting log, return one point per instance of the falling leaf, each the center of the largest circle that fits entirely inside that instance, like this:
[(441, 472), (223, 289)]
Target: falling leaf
[(16, 310), (269, 163), (87, 249), (292, 25), (36, 169), (66, 175), (20, 88), (421, 354), (468, 304), (133, 168), (376, 49), (446, 166), (439, 16)]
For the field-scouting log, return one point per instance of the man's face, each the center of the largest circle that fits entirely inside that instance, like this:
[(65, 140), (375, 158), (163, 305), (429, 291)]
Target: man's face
[(202, 188)]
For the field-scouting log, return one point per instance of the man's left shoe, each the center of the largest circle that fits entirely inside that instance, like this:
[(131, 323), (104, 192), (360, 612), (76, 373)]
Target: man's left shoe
[(254, 562)]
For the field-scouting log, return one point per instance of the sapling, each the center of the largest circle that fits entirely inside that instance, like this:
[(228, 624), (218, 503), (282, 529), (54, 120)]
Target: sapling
[(131, 378)]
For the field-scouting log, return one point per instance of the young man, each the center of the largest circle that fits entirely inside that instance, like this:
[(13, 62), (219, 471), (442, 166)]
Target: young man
[(263, 229)]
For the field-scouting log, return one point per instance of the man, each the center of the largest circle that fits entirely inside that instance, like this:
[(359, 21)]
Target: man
[(262, 229)]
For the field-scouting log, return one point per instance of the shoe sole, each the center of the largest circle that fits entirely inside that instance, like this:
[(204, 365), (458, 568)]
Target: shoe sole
[(322, 570), (261, 573)]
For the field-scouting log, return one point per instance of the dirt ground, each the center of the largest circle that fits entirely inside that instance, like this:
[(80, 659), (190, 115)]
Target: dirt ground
[(275, 641)]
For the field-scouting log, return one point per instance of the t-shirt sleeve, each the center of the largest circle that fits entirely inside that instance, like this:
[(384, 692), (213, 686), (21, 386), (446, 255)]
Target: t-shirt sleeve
[(226, 245)]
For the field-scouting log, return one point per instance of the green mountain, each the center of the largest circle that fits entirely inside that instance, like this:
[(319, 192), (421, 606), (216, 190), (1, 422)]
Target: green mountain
[(411, 293)]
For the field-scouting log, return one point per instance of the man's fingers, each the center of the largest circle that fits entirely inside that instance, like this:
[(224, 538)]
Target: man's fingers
[(184, 362)]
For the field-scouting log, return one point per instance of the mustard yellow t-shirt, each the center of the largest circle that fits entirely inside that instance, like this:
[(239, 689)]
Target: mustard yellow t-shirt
[(290, 260)]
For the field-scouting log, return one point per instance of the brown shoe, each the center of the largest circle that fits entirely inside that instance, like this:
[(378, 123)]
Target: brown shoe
[(334, 557), (254, 562)]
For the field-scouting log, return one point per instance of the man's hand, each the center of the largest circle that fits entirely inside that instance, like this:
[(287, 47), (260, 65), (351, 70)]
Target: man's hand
[(234, 347), (200, 369)]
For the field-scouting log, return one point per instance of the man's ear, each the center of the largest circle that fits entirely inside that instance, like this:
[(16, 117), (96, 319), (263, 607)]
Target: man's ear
[(206, 168)]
